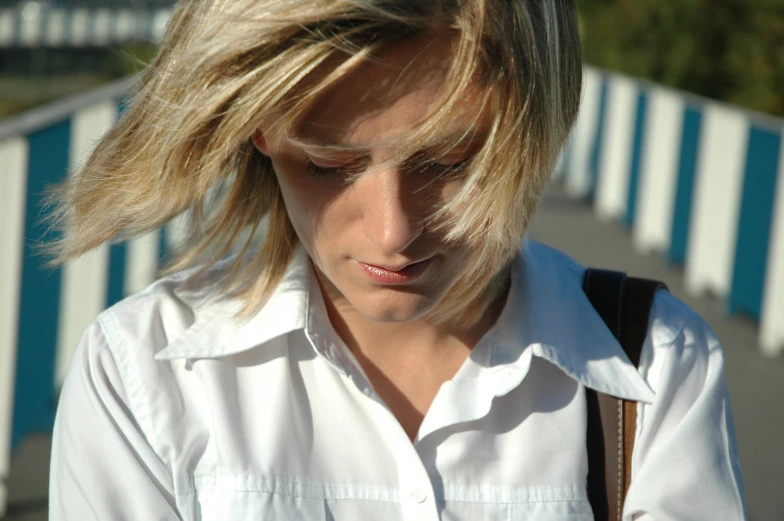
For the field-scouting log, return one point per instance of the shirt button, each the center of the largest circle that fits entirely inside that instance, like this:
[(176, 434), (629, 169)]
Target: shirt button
[(418, 495)]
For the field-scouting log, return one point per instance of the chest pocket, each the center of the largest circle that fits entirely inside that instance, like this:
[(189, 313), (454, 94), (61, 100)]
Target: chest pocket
[(241, 498)]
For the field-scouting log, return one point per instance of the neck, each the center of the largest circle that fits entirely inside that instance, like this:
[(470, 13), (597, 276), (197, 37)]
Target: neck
[(411, 340), (406, 362)]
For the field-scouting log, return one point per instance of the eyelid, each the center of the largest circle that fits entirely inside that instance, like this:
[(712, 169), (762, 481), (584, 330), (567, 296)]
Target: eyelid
[(448, 161), (324, 162)]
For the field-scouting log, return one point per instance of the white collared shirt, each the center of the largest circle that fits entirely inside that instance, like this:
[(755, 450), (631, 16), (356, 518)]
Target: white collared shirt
[(173, 410)]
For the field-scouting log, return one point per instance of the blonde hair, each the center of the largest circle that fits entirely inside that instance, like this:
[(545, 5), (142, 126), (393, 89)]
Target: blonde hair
[(226, 65)]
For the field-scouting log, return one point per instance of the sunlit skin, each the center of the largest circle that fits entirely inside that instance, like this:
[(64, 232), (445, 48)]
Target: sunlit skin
[(378, 218)]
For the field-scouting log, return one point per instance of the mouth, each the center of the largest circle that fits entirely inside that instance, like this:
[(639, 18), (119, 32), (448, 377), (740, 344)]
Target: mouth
[(396, 275)]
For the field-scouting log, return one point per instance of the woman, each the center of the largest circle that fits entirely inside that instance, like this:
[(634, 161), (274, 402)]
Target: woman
[(389, 352)]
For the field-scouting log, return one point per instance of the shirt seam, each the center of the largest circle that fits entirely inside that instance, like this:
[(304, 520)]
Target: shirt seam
[(521, 502), (109, 335), (643, 417), (136, 391), (283, 479), (279, 478), (207, 477), (692, 321), (725, 436), (398, 501)]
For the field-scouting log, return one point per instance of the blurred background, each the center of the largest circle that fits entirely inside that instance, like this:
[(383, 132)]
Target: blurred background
[(675, 171)]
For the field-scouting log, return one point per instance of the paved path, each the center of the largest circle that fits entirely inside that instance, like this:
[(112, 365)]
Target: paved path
[(756, 384)]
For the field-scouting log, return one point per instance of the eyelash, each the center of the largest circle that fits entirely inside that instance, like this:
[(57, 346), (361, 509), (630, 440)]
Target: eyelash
[(321, 171), (452, 169)]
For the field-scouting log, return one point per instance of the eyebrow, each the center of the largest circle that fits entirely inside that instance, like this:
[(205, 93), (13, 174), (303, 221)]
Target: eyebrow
[(454, 138), (303, 142)]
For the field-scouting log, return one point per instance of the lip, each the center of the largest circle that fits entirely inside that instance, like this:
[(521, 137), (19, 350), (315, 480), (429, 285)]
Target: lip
[(404, 275)]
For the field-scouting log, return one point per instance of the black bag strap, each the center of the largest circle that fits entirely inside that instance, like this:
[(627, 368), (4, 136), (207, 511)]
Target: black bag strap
[(624, 304)]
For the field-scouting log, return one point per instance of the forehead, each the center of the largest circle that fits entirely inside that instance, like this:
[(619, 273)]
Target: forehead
[(384, 99)]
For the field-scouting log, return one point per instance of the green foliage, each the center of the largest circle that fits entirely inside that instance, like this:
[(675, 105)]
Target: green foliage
[(134, 58), (729, 50)]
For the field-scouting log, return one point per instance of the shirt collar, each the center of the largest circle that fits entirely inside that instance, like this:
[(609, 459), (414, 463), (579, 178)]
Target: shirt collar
[(546, 312), (218, 332)]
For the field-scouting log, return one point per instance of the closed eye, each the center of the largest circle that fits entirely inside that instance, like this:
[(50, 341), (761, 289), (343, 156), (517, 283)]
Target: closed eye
[(430, 167), (323, 171), (442, 169)]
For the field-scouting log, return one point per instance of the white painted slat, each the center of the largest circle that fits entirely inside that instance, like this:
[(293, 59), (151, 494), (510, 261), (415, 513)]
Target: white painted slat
[(772, 319), (177, 232), (141, 262), (612, 189), (7, 18), (13, 188), (102, 27), (159, 23), (56, 27), (125, 25), (710, 253), (578, 178), (658, 176), (80, 24), (561, 165), (30, 30), (84, 281)]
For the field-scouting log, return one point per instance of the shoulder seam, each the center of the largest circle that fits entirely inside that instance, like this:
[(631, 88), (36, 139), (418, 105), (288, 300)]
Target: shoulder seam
[(116, 344), (641, 406), (691, 320), (730, 467)]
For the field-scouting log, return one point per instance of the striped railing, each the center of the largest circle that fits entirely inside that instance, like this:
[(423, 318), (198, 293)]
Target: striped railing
[(42, 26), (43, 313), (696, 180)]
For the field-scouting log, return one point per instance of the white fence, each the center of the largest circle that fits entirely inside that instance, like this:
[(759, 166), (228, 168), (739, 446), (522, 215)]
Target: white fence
[(698, 181), (43, 314), (36, 25)]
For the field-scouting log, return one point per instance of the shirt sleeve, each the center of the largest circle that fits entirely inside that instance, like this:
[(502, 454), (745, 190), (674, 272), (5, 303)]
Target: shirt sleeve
[(685, 462), (103, 466)]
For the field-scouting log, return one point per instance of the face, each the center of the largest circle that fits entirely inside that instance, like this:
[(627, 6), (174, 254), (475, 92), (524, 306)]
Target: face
[(359, 212)]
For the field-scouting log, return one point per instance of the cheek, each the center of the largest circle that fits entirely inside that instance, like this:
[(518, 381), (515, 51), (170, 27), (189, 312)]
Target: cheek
[(313, 204), (448, 190)]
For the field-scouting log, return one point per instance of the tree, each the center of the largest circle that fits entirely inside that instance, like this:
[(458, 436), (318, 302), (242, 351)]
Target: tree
[(729, 50)]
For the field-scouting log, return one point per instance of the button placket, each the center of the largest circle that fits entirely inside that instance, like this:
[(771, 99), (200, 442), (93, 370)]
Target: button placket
[(417, 495), (420, 503)]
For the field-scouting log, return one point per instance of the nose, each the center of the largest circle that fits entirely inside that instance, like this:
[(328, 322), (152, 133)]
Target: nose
[(391, 209)]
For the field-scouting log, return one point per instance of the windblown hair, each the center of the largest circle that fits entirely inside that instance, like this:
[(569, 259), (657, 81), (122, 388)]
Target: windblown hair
[(226, 65)]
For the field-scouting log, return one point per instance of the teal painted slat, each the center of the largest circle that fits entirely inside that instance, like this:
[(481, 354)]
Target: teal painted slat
[(566, 161), (114, 27), (16, 33), (89, 31), (634, 173), (115, 290), (34, 406), (687, 168), (163, 246), (67, 33), (756, 216), (598, 139)]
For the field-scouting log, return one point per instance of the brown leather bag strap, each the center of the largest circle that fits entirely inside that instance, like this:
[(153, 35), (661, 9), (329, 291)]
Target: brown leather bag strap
[(624, 304)]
